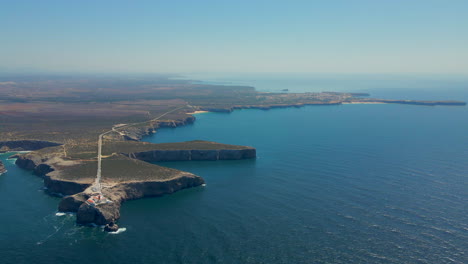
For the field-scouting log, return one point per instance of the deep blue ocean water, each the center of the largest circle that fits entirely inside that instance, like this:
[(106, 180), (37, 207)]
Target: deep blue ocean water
[(331, 184)]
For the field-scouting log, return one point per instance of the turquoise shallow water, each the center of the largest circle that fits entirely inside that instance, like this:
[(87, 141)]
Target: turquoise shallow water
[(331, 184)]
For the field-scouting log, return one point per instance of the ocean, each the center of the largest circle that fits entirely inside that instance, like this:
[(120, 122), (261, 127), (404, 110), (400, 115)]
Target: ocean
[(331, 184)]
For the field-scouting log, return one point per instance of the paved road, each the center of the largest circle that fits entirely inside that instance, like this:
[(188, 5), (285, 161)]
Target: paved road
[(97, 183)]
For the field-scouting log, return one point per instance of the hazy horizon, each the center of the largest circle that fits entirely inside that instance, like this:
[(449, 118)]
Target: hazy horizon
[(401, 37)]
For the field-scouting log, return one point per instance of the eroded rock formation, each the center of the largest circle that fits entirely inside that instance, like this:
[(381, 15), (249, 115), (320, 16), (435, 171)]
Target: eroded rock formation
[(2, 168)]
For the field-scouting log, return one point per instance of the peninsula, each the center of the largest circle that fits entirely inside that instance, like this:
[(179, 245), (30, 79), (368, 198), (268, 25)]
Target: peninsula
[(126, 175), (84, 133)]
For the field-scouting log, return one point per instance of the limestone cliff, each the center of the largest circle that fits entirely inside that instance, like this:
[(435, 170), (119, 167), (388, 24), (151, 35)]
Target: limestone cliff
[(123, 179), (71, 170), (194, 154), (136, 133), (44, 167), (2, 168), (107, 213)]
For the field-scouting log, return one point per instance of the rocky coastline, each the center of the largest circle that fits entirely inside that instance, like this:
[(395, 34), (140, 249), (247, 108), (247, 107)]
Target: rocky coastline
[(2, 168), (44, 167), (137, 133), (54, 166), (56, 169), (194, 154), (77, 192), (109, 213), (228, 109)]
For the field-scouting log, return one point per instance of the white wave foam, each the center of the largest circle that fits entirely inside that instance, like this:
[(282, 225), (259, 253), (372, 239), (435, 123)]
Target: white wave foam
[(120, 230), (11, 161), (203, 185), (60, 214)]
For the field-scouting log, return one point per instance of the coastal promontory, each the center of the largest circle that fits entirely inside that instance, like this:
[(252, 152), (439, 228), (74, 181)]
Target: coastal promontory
[(85, 133), (126, 173)]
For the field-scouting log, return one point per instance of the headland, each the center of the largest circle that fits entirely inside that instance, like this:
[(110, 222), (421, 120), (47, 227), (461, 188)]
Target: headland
[(60, 121)]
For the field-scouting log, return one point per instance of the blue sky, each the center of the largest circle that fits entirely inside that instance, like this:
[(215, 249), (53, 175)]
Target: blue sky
[(328, 36)]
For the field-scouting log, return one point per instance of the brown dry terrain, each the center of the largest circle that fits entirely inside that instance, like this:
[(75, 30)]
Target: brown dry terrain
[(78, 108), (67, 108), (116, 169)]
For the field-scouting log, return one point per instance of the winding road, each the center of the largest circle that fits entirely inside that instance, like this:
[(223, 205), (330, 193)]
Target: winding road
[(96, 187)]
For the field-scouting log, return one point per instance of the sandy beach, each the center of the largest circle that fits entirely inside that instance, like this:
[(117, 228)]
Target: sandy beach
[(197, 112)]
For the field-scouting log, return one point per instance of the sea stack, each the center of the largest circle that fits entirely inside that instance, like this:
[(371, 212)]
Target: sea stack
[(111, 227)]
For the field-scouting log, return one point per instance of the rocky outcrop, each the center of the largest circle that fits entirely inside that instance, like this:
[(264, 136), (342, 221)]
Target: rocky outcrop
[(107, 213), (112, 227), (2, 168), (175, 123), (27, 163), (54, 167), (72, 203), (23, 145), (101, 214), (140, 189), (35, 161), (63, 187), (41, 167), (186, 155), (137, 133)]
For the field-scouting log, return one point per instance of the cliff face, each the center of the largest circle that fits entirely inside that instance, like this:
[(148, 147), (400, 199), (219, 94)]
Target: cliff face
[(136, 190), (45, 169), (2, 168), (27, 163), (156, 182), (72, 203), (125, 177), (186, 155), (107, 213), (229, 109), (64, 187), (137, 133), (22, 145), (100, 214)]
